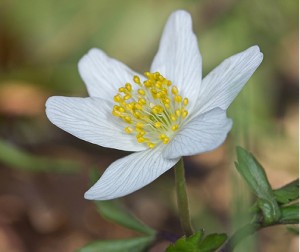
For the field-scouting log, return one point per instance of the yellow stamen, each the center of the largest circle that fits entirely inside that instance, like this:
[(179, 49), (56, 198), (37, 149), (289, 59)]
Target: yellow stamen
[(154, 109), (128, 130)]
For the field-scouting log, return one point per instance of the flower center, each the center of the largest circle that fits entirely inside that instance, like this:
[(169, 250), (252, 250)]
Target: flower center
[(153, 110)]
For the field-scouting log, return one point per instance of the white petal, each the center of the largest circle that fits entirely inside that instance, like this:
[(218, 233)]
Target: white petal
[(90, 119), (221, 85), (129, 174), (203, 133), (103, 75), (178, 57)]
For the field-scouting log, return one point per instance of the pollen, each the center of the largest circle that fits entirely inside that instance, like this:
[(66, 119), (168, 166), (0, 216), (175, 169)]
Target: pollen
[(152, 110)]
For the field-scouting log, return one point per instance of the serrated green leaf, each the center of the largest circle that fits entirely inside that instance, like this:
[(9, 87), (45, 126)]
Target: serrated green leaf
[(112, 210), (187, 244), (287, 193), (16, 158), (138, 244), (212, 242), (255, 176)]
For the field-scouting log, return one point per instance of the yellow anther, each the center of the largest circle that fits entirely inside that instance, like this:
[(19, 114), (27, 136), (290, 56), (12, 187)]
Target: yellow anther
[(140, 130), (174, 90), (161, 78), (166, 140), (164, 91), (185, 101), (128, 86), (141, 92), (117, 98), (184, 114), (166, 101), (122, 89), (178, 98), (154, 92), (159, 95), (121, 109), (147, 84), (142, 101), (151, 145), (116, 113), (173, 117), (117, 110), (127, 97), (157, 109), (128, 130), (177, 111), (175, 127), (138, 106), (158, 85), (137, 115), (139, 125), (157, 124), (162, 136), (136, 79), (140, 139), (127, 119), (162, 94), (129, 106)]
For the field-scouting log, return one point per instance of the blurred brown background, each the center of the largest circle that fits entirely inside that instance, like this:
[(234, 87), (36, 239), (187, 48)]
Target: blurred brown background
[(45, 171)]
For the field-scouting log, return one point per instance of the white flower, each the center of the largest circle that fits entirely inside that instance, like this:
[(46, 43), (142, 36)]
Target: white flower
[(166, 114)]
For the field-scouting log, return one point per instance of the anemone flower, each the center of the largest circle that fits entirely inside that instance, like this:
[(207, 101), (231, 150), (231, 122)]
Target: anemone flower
[(167, 113)]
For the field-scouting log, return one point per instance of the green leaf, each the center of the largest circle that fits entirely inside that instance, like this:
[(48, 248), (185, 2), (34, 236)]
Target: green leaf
[(19, 159), (255, 176), (112, 210), (194, 243), (187, 244), (287, 193), (290, 214), (212, 242), (138, 244)]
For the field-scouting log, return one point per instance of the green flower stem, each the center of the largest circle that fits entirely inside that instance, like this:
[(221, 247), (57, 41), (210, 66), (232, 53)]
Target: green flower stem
[(182, 200)]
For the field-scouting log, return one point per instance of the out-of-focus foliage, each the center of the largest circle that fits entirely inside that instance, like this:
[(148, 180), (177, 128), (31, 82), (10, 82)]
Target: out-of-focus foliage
[(15, 158), (113, 211), (41, 42), (126, 245)]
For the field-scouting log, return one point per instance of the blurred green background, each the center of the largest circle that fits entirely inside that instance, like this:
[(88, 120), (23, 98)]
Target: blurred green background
[(44, 171)]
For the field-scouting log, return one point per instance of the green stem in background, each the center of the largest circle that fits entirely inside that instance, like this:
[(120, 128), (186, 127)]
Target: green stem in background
[(182, 200)]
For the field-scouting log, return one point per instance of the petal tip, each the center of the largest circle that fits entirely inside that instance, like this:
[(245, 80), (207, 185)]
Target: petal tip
[(256, 50), (89, 195), (181, 12), (90, 54), (181, 16), (93, 194), (51, 100)]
